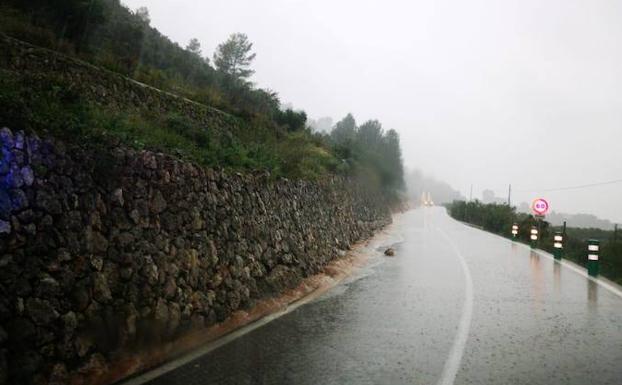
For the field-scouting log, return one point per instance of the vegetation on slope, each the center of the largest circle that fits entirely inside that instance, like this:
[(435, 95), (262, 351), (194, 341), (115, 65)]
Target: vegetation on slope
[(107, 34)]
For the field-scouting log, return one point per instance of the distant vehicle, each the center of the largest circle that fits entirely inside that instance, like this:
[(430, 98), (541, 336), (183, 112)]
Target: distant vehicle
[(426, 199)]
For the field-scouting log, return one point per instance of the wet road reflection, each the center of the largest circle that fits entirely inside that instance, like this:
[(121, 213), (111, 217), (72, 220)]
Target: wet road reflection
[(534, 321), (592, 294), (557, 271)]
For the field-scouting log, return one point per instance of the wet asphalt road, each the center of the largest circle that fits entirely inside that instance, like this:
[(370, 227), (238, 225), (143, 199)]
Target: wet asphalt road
[(454, 306)]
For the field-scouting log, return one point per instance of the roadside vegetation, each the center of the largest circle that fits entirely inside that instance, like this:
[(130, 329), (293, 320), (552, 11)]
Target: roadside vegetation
[(109, 35), (499, 218)]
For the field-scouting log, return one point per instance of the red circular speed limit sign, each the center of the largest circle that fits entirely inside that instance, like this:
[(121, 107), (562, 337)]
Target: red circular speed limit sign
[(540, 206)]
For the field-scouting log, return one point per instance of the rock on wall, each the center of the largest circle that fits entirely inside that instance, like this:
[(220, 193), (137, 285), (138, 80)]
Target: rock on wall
[(113, 250)]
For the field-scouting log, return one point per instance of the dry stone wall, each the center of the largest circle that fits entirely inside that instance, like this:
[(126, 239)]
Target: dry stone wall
[(114, 250)]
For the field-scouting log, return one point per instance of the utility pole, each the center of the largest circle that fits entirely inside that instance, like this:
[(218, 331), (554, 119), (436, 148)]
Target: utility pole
[(510, 195), (471, 194), (615, 233), (539, 229)]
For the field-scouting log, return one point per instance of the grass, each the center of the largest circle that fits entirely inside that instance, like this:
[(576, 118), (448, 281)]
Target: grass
[(42, 104)]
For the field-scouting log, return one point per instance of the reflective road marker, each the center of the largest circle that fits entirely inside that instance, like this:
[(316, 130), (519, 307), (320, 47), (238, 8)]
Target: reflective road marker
[(593, 249), (534, 237), (558, 245)]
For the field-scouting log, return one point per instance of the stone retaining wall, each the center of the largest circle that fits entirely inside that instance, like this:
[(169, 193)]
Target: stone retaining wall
[(104, 252)]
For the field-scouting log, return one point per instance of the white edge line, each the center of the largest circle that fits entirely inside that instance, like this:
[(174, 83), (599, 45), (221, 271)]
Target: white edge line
[(211, 346), (611, 287), (191, 356), (579, 270), (452, 365), (227, 338)]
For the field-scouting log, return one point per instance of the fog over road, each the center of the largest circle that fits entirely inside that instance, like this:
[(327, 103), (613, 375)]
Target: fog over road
[(455, 305)]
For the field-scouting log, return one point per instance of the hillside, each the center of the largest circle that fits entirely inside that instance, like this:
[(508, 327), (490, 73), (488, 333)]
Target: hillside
[(146, 195), (115, 77)]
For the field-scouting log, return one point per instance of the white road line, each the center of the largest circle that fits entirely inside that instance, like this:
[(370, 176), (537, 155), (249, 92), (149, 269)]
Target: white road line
[(152, 374), (602, 282), (580, 271), (452, 365), (191, 356)]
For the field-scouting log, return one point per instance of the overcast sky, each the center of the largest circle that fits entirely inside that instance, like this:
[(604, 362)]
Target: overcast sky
[(488, 93)]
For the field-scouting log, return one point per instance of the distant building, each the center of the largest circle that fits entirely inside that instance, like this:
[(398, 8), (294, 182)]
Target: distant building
[(488, 196)]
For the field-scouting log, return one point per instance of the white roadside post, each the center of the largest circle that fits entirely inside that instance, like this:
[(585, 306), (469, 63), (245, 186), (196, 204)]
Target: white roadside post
[(593, 251), (514, 230), (534, 237), (558, 245)]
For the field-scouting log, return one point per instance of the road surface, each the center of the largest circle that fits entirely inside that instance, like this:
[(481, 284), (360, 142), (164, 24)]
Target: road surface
[(456, 305)]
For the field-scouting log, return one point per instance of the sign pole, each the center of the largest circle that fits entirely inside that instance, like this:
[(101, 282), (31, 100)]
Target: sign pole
[(539, 231), (540, 207)]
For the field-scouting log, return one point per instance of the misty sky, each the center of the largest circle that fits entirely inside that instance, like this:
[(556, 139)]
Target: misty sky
[(488, 93)]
